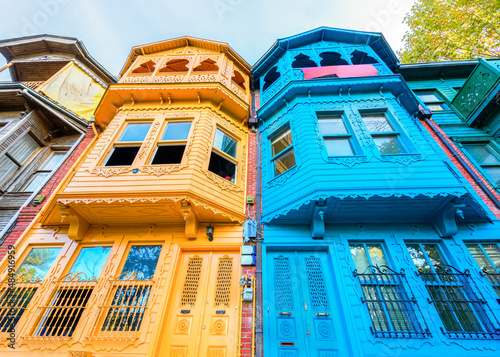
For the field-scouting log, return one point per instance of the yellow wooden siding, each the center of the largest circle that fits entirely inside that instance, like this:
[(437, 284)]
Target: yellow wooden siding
[(192, 179)]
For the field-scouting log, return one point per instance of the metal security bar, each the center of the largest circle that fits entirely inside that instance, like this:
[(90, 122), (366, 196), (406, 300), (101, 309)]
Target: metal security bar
[(14, 300), (127, 300), (494, 279), (59, 319), (460, 305), (392, 307)]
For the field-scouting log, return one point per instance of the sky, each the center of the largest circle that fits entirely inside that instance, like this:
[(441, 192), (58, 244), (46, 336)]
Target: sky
[(110, 28)]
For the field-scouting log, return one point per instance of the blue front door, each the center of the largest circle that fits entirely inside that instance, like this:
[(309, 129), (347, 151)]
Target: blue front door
[(299, 306)]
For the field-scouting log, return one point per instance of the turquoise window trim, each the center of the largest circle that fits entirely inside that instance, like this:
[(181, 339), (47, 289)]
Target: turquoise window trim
[(282, 129), (399, 132), (350, 135)]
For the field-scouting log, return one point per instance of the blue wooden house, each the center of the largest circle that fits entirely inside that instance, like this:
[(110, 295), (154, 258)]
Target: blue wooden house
[(371, 232)]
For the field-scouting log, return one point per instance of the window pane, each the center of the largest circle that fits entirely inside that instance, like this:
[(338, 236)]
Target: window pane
[(135, 132), (359, 256), (493, 173), (168, 154), (376, 254), (284, 162), (23, 149), (377, 123), (428, 97), (479, 256), (483, 153), (338, 147), (329, 125), (281, 142), (53, 160), (122, 156), (90, 261), (36, 181), (142, 259), (225, 143), (433, 254), (223, 167), (388, 145), (176, 131), (38, 262), (436, 107), (7, 168), (493, 253), (418, 257)]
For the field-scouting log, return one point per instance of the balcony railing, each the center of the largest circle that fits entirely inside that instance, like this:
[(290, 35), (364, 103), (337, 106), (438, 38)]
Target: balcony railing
[(121, 316), (14, 299), (392, 307)]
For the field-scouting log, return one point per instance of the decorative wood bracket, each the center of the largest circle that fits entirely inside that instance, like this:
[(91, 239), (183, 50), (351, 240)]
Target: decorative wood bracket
[(318, 222), (191, 230), (444, 221), (78, 226)]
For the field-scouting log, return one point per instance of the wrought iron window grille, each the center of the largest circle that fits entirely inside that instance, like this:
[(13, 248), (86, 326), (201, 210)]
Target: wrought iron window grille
[(121, 315), (493, 278), (459, 303), (58, 319), (15, 300), (391, 304)]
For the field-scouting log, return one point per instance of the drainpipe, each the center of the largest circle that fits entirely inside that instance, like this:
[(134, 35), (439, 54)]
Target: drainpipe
[(493, 198), (258, 244)]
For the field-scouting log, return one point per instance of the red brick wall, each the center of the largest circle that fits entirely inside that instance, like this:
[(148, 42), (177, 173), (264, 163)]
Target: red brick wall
[(247, 319), (467, 176), (28, 213)]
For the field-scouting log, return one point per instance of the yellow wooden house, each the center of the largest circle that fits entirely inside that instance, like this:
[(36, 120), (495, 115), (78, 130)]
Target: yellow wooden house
[(138, 253)]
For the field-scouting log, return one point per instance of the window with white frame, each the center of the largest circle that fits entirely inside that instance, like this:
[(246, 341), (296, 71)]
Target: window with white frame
[(16, 156), (51, 163), (172, 144), (224, 155), (336, 135), (486, 156), (127, 146), (283, 155), (386, 137)]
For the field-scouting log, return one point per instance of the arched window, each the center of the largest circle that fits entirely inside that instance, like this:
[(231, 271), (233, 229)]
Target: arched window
[(332, 59), (239, 80), (271, 77), (303, 61), (360, 57), (146, 67), (207, 65), (175, 65)]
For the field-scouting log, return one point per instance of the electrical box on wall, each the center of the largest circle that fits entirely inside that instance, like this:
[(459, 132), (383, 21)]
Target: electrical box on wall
[(248, 294), (248, 260)]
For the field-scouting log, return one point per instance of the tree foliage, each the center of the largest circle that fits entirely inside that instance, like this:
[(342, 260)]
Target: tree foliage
[(451, 30)]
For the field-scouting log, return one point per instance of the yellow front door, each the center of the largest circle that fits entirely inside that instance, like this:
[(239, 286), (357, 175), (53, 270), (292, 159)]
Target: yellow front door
[(202, 320)]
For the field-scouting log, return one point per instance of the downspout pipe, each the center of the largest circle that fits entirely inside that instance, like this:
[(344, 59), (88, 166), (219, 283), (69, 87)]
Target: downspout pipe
[(258, 241), (464, 164)]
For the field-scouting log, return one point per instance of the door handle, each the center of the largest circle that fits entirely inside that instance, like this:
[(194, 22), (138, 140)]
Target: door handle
[(322, 314), (285, 313)]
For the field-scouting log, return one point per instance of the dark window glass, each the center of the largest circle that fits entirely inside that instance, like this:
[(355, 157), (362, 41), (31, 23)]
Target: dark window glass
[(122, 156), (332, 59), (168, 154), (222, 166), (360, 57), (271, 77), (303, 61)]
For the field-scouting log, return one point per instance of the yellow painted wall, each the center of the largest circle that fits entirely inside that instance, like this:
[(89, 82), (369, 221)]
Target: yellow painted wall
[(191, 177)]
